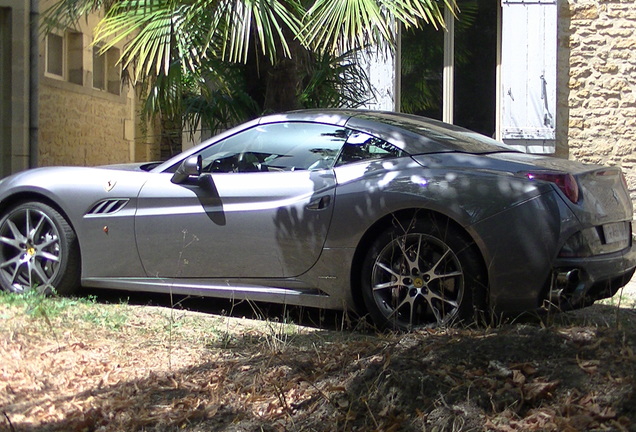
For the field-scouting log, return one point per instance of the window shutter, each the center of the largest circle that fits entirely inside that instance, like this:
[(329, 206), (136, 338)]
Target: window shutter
[(528, 74)]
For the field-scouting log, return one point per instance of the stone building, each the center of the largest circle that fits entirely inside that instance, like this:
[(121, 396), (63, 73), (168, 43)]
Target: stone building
[(62, 99)]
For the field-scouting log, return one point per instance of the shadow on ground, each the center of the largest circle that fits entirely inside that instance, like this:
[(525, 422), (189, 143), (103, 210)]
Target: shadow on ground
[(575, 373), (310, 317)]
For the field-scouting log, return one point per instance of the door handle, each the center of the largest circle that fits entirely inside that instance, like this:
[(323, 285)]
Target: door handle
[(319, 203)]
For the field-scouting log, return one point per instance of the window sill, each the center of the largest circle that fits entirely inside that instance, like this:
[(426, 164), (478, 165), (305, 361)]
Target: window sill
[(87, 91)]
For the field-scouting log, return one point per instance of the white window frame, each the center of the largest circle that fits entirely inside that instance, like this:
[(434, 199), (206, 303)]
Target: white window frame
[(529, 138), (68, 63), (448, 80), (47, 57)]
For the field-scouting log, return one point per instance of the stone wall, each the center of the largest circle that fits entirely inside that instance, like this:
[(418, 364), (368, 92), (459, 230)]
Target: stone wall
[(82, 129), (82, 120), (597, 93)]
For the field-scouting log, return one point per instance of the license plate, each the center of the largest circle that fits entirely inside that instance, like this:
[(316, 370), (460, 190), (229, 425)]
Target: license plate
[(615, 232)]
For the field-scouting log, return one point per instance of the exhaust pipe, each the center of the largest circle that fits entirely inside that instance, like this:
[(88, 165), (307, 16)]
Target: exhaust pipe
[(564, 283), (568, 278)]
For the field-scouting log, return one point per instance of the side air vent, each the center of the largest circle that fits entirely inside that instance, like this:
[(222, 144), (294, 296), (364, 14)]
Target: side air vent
[(108, 206)]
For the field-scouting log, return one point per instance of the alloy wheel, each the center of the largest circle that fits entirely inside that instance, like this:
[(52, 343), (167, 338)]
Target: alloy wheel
[(30, 250), (417, 280)]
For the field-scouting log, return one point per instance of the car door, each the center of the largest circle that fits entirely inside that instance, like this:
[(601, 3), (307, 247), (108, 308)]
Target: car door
[(261, 208)]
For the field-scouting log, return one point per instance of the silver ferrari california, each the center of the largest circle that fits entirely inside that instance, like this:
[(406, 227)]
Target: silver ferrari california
[(411, 221)]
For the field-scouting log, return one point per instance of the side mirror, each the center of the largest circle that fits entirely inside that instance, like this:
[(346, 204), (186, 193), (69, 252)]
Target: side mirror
[(189, 167)]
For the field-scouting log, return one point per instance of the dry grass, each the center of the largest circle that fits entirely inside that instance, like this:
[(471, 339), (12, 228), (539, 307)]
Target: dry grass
[(69, 365)]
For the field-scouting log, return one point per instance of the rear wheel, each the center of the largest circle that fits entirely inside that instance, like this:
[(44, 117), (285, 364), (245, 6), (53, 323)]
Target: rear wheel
[(38, 250), (421, 275)]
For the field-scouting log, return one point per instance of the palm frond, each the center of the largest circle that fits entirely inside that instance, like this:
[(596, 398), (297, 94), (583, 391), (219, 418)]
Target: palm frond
[(65, 14), (339, 26), (342, 25), (335, 82), (269, 21)]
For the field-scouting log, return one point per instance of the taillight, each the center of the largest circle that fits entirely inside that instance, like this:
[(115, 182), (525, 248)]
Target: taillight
[(565, 181)]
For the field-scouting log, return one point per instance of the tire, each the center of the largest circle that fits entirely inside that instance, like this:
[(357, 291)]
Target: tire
[(423, 273), (38, 251)]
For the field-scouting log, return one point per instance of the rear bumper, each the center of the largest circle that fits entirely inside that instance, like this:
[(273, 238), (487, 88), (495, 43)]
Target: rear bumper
[(578, 282), (525, 272)]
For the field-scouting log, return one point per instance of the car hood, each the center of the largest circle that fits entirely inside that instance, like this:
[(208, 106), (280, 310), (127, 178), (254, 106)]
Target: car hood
[(55, 181), (143, 166)]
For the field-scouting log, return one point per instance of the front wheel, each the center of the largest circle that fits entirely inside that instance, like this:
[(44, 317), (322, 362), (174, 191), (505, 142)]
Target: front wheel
[(421, 275), (38, 250)]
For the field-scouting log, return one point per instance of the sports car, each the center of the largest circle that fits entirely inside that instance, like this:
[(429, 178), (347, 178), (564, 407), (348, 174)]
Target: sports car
[(407, 220)]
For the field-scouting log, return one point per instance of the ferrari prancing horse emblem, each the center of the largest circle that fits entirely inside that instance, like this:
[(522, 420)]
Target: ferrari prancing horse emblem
[(109, 185)]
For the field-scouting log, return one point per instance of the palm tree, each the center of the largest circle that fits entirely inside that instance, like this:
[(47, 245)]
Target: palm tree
[(184, 53)]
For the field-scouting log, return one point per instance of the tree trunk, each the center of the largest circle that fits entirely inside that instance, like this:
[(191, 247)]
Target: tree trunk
[(284, 81)]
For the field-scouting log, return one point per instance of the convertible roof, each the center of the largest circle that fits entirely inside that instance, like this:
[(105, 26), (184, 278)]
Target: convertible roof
[(411, 133)]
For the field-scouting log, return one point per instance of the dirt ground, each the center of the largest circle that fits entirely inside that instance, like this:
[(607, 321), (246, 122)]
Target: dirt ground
[(123, 367)]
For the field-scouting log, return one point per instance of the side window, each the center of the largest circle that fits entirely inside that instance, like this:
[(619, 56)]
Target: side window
[(276, 147), (361, 147)]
